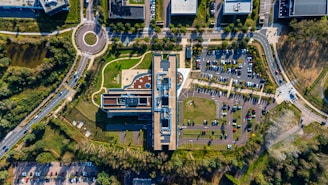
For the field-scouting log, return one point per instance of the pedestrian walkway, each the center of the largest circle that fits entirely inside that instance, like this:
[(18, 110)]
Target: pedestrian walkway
[(229, 88), (225, 87)]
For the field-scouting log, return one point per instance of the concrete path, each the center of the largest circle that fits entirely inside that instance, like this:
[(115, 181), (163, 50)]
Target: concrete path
[(103, 76), (225, 87), (229, 88)]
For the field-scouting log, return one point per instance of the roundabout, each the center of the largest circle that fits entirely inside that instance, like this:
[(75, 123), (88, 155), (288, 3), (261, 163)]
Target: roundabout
[(90, 38)]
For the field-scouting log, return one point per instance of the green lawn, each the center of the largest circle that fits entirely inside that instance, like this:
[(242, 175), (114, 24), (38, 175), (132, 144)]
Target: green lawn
[(193, 146), (90, 38), (95, 127), (198, 134), (113, 71), (146, 62), (104, 6), (237, 115), (159, 10), (136, 2), (199, 109), (44, 23), (129, 138), (54, 141)]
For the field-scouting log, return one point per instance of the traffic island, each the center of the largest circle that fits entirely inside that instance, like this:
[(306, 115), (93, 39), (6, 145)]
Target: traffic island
[(90, 38)]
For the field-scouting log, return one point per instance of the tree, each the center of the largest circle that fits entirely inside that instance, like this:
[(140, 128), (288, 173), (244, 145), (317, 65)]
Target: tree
[(183, 29), (44, 158), (157, 29), (127, 26), (30, 138), (227, 29), (171, 26), (3, 175), (146, 39), (103, 178), (200, 39), (244, 29), (39, 127), (4, 62), (224, 45)]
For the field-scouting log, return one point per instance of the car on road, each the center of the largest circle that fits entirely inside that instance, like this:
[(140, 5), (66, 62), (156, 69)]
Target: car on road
[(76, 75), (36, 117), (25, 131), (212, 10), (4, 147), (323, 123), (276, 72), (60, 93)]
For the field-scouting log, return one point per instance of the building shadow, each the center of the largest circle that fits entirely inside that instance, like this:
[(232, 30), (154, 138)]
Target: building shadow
[(47, 23)]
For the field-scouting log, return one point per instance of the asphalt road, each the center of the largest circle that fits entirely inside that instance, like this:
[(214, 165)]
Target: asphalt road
[(18, 133), (14, 136), (101, 38), (268, 53)]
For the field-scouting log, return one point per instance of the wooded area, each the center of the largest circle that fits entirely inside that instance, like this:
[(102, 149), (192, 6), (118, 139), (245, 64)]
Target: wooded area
[(23, 88)]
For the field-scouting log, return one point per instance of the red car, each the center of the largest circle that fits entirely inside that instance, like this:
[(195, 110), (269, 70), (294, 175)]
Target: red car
[(277, 72)]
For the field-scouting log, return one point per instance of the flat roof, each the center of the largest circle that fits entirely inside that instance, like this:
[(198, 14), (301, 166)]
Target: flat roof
[(310, 7), (184, 7), (53, 5), (164, 112), (15, 3), (237, 6), (120, 10)]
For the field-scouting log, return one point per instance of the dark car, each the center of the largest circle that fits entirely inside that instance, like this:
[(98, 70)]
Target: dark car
[(4, 147), (323, 123), (212, 11), (25, 131)]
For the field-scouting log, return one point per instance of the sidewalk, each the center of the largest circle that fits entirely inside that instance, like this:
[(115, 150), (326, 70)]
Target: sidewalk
[(225, 87)]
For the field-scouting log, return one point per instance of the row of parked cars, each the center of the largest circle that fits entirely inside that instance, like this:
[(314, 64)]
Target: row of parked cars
[(152, 9)]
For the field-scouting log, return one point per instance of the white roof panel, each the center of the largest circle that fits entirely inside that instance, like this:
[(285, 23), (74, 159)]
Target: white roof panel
[(183, 7)]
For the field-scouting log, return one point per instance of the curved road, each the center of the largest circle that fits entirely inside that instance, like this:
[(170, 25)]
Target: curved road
[(86, 26), (90, 25), (306, 113), (101, 38)]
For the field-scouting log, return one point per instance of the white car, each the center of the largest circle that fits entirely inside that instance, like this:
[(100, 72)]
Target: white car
[(229, 147)]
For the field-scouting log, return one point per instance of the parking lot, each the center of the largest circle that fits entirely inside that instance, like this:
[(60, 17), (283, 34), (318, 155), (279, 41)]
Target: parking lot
[(55, 173), (224, 65), (237, 118)]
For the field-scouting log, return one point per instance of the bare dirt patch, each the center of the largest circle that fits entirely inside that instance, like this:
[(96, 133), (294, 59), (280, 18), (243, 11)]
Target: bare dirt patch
[(281, 134), (303, 62)]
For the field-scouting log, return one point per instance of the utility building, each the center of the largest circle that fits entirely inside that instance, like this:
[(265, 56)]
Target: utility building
[(237, 7), (184, 7)]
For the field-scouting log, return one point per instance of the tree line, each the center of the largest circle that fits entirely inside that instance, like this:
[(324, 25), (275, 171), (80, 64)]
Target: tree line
[(23, 88)]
